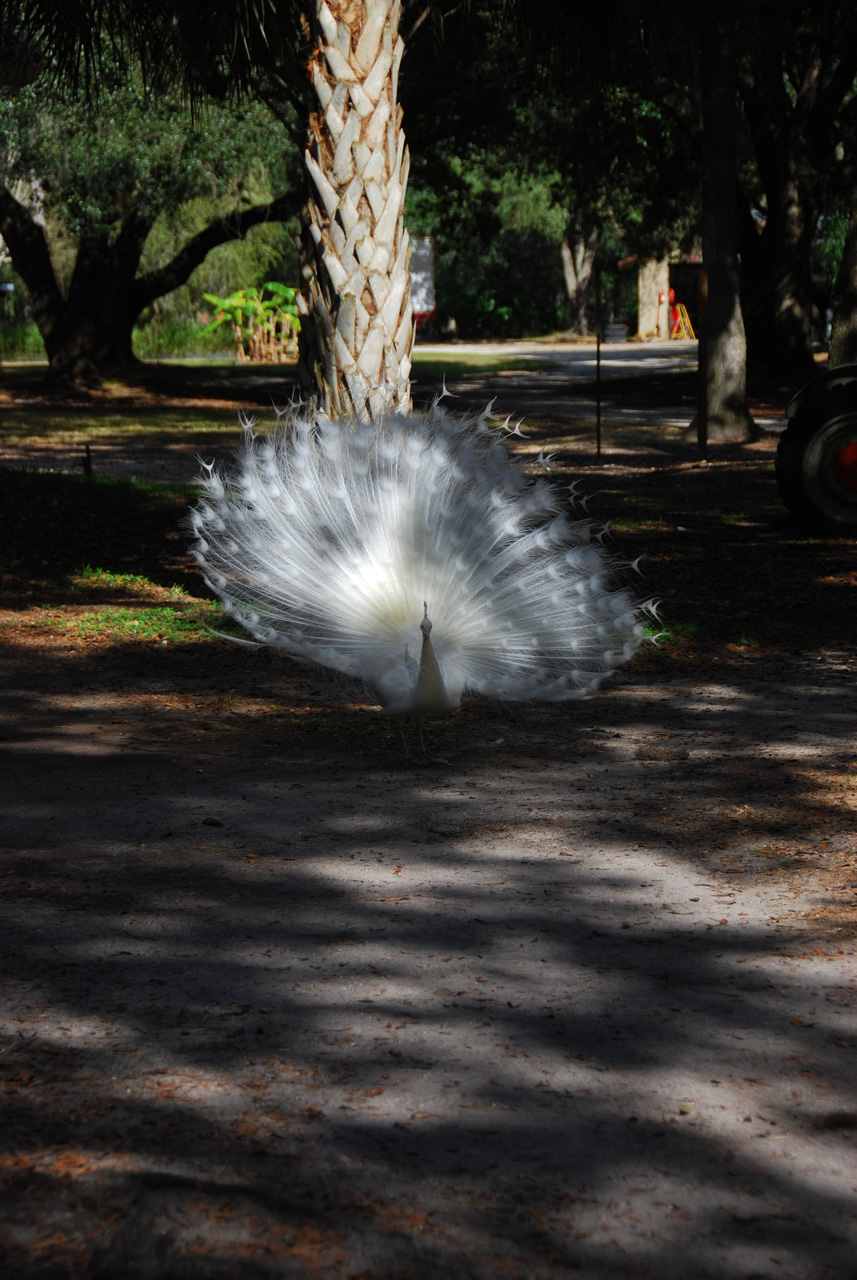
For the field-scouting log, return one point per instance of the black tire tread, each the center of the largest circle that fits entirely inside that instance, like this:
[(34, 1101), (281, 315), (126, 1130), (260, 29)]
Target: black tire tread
[(790, 452)]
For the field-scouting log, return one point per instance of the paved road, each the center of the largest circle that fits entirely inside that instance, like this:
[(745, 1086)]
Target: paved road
[(558, 390), (578, 360)]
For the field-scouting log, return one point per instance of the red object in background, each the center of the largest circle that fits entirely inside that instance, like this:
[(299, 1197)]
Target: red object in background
[(845, 467), (423, 297)]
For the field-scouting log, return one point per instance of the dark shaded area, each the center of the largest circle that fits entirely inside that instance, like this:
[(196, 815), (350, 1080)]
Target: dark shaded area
[(246, 383), (575, 1003), (55, 524), (215, 980), (722, 554)]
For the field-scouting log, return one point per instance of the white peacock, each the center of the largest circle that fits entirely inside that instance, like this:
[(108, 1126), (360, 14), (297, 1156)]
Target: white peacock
[(415, 554)]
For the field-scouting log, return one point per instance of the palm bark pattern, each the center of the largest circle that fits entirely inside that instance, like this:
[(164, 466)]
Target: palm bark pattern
[(357, 325)]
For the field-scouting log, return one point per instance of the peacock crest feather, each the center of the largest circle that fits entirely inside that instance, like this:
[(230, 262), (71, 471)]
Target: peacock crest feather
[(415, 554)]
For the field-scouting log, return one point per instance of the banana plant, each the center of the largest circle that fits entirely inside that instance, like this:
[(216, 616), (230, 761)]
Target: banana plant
[(265, 328)]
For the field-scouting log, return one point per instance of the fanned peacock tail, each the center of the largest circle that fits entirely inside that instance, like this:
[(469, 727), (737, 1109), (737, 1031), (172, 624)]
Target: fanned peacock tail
[(330, 539), (357, 326)]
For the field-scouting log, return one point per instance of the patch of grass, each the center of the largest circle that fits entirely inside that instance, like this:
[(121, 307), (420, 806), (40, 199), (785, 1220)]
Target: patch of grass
[(129, 607), (79, 426), (21, 340), (431, 366), (121, 624), (102, 580), (160, 622), (675, 633)]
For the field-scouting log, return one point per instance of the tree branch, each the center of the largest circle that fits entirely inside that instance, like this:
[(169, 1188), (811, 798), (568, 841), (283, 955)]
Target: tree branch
[(28, 246), (233, 226)]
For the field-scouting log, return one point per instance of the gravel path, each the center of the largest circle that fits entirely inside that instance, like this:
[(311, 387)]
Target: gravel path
[(646, 411), (579, 1001), (573, 1003)]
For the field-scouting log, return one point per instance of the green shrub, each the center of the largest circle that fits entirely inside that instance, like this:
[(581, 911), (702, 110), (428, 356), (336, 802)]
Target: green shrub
[(21, 340), (171, 335)]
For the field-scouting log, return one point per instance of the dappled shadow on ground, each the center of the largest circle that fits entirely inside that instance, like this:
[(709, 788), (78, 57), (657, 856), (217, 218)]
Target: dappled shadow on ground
[(150, 384), (575, 1001), (644, 418), (721, 554)]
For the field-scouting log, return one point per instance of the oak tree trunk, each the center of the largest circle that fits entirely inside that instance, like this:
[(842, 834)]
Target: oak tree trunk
[(843, 337), (87, 329), (728, 414), (578, 259)]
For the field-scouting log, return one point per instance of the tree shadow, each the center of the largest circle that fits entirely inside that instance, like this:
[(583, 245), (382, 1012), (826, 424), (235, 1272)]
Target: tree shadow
[(279, 1003)]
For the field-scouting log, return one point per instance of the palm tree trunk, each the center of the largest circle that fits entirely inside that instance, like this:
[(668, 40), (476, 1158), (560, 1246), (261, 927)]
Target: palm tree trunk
[(357, 326)]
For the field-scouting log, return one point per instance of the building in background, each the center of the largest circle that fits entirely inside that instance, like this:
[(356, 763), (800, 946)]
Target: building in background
[(423, 297)]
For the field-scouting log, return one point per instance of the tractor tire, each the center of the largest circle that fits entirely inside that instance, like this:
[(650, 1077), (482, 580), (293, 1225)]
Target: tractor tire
[(816, 465)]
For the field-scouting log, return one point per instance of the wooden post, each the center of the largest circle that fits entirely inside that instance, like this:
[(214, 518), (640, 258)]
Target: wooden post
[(702, 340)]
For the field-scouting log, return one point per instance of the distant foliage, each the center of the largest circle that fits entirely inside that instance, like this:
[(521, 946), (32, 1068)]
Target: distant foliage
[(18, 335), (168, 335), (516, 161), (830, 242), (175, 324), (85, 164), (497, 263), (128, 179), (22, 340)]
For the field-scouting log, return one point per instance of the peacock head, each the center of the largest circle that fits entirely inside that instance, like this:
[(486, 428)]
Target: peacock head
[(425, 625)]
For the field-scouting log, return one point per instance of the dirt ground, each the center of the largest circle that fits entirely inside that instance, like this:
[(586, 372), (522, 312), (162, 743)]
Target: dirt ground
[(577, 1001)]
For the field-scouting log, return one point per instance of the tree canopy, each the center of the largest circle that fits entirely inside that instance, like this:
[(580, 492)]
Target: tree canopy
[(86, 181), (515, 175), (525, 113)]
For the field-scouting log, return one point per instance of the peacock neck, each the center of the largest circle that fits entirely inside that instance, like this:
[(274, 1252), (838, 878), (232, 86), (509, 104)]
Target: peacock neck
[(431, 696), (430, 688)]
